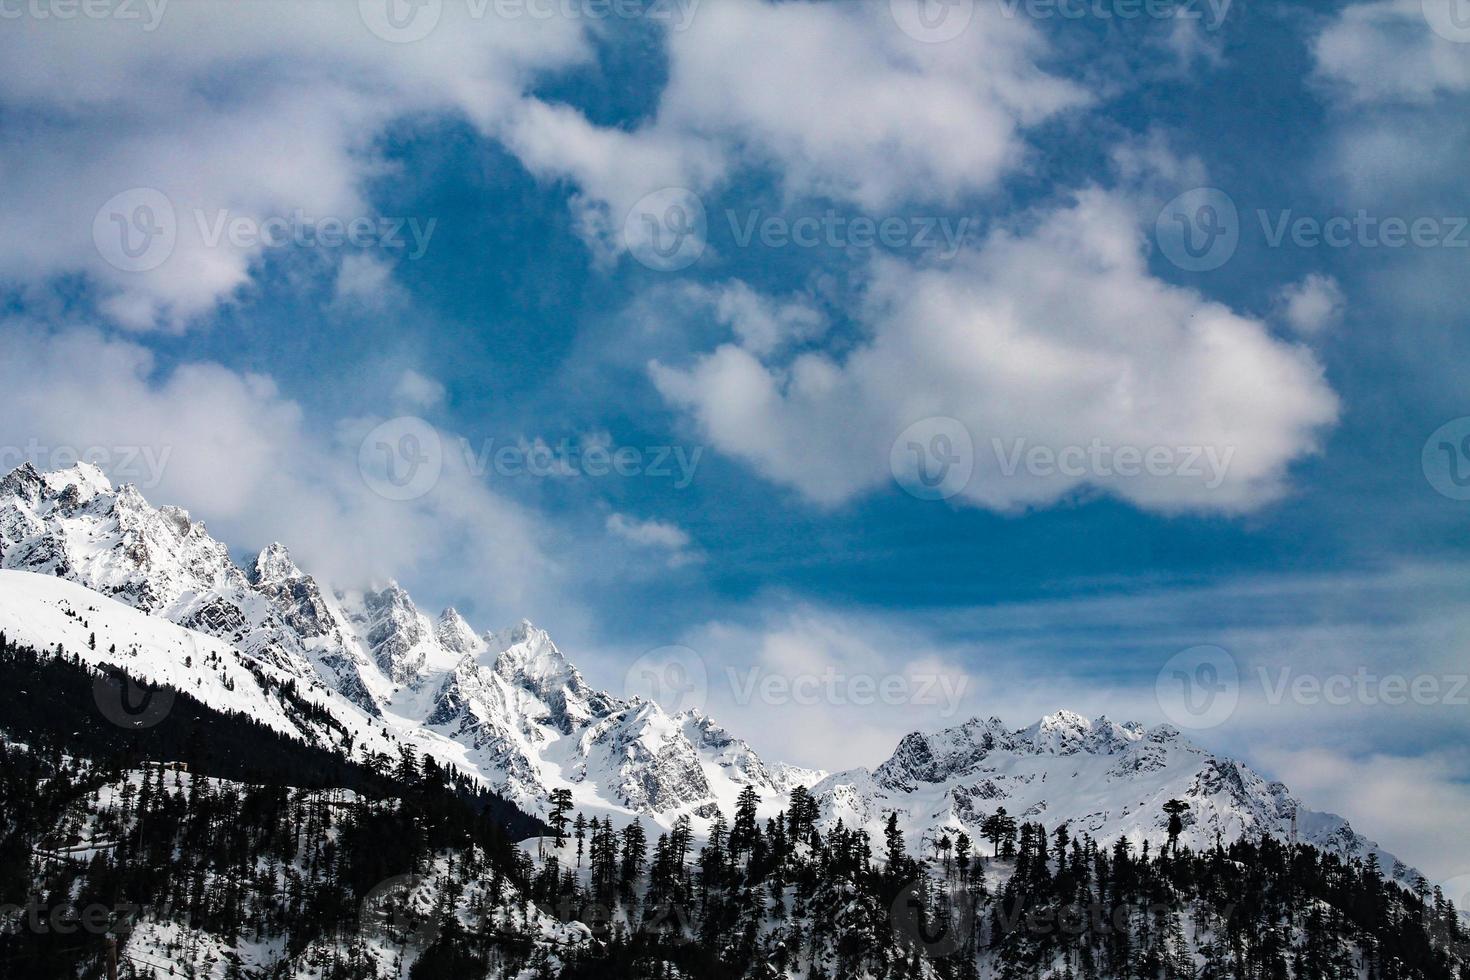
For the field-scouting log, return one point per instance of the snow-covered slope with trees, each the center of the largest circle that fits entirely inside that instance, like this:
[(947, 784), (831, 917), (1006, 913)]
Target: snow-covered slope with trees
[(1100, 778), (509, 708)]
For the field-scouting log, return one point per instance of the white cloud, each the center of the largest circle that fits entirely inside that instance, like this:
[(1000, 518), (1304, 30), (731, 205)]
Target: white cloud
[(239, 111), (832, 96), (651, 533), (1391, 51), (1370, 761), (1056, 335), (804, 685), (259, 111), (418, 390), (365, 281), (1311, 305), (240, 455), (661, 536), (763, 324), (1414, 806)]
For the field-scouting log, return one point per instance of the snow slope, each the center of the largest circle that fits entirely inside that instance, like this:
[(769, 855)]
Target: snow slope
[(1099, 777), (510, 708)]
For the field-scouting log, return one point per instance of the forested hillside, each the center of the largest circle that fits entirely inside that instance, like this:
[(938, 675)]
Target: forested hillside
[(211, 847)]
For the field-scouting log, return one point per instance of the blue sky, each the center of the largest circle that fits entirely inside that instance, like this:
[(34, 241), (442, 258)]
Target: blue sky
[(1030, 165)]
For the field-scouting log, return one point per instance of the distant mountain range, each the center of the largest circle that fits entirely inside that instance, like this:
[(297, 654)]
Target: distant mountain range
[(81, 558)]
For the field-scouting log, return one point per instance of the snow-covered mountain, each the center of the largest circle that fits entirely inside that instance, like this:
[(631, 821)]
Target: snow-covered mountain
[(1101, 778), (78, 556), (507, 707)]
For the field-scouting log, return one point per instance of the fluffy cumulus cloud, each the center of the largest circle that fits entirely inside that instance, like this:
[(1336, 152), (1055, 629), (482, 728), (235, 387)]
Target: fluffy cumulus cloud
[(763, 324), (833, 98), (667, 540), (238, 453), (418, 390), (162, 157), (1062, 361), (1396, 50), (826, 688), (656, 534), (1311, 305)]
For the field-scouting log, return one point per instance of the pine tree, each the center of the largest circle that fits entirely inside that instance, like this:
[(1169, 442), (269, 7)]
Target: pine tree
[(635, 850), (893, 850), (744, 830), (561, 805), (1176, 810), (999, 828)]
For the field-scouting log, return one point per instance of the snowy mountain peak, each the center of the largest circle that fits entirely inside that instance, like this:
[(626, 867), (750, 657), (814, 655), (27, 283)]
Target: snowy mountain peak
[(512, 709), (526, 652), (85, 478), (396, 633), (455, 634), (1066, 732), (1065, 720), (521, 633), (274, 564)]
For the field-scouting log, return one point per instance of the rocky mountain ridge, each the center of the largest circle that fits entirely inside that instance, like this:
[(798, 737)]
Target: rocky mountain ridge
[(511, 709)]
